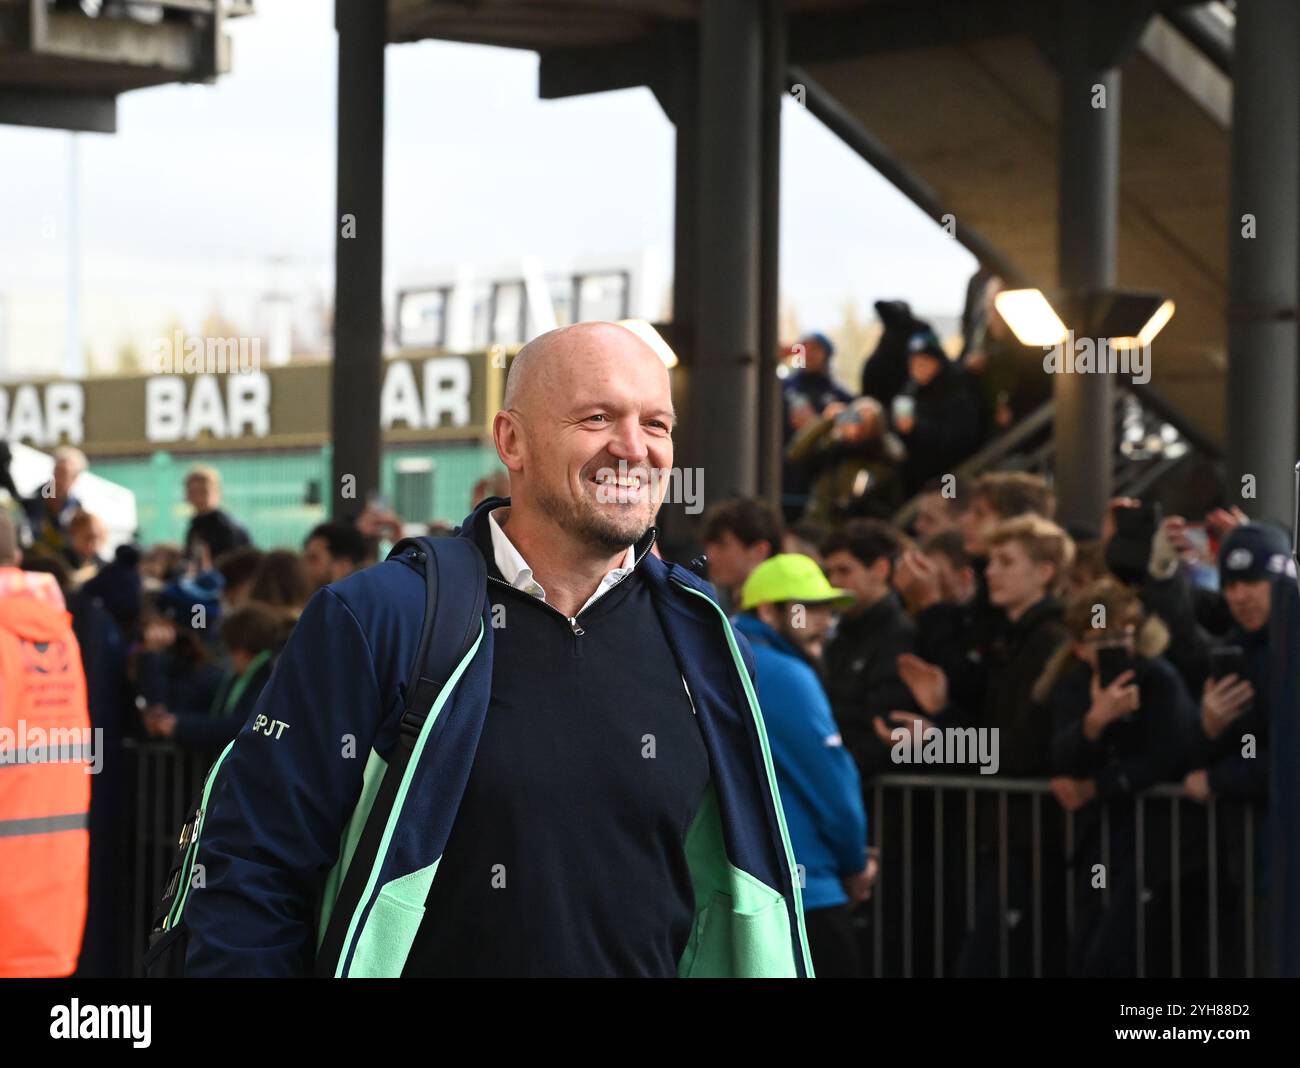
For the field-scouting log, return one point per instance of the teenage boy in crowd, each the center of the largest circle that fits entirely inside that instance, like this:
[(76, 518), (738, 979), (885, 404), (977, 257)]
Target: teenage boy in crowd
[(861, 657), (939, 587), (739, 535), (1028, 557)]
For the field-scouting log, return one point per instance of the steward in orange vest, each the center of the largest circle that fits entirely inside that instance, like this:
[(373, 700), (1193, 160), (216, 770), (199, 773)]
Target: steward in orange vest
[(45, 741)]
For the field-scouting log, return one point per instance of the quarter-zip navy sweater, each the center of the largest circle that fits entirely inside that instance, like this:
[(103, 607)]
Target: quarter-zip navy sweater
[(567, 857)]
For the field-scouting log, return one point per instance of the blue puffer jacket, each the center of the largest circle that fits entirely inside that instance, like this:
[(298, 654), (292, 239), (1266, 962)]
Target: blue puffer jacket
[(820, 789), (288, 800)]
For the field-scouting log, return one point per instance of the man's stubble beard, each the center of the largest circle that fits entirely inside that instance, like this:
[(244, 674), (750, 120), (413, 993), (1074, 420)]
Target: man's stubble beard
[(589, 523)]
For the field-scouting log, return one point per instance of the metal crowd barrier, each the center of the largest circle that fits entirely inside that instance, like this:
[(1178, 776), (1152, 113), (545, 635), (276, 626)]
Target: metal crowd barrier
[(894, 912), (160, 784)]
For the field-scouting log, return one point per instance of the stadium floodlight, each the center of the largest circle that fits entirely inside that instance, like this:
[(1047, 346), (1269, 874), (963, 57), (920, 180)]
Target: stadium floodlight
[(1031, 317), (1129, 319), (647, 333)]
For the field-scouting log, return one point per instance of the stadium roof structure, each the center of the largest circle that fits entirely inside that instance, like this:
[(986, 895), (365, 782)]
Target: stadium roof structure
[(63, 67), (957, 102)]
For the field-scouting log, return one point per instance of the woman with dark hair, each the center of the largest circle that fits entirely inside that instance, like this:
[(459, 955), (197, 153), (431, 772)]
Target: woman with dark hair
[(1121, 720), (281, 581)]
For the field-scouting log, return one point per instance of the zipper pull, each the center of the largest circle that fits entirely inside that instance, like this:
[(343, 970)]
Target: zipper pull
[(573, 625)]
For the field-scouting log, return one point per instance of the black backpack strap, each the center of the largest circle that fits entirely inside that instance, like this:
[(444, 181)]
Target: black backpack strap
[(455, 577)]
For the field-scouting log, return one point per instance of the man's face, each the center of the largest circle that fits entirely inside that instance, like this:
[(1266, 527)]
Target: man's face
[(597, 438), (320, 566), (236, 596), (88, 540), (868, 584), (1015, 580), (976, 523), (65, 474), (731, 560), (814, 356), (1249, 603), (805, 626), (201, 494), (956, 585), (934, 515), (923, 368)]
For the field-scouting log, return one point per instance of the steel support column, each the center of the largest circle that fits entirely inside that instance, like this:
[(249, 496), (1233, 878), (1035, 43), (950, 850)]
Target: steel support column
[(769, 412), (1262, 392), (724, 375), (1087, 242), (358, 254), (684, 92)]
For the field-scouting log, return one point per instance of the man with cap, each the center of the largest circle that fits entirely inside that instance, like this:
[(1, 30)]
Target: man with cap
[(884, 371), (1234, 705), (786, 609), (805, 395), (811, 379), (936, 414), (1231, 757)]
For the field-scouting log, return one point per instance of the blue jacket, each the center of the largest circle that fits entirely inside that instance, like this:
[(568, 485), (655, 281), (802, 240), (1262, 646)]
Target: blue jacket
[(820, 790), (289, 796)]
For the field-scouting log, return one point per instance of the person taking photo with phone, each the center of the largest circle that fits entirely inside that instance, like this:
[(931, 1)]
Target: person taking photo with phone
[(1121, 720)]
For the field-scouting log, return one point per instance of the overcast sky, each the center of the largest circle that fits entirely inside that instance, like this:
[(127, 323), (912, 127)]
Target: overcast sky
[(202, 186)]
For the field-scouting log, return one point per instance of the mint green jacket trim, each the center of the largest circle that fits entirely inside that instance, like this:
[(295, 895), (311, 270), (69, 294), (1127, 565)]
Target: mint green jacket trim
[(384, 951), (769, 953)]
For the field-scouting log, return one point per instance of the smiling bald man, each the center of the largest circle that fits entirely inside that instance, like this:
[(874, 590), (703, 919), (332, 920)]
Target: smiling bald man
[(596, 796)]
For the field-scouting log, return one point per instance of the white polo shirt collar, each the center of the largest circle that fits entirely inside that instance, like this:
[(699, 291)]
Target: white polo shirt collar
[(515, 570)]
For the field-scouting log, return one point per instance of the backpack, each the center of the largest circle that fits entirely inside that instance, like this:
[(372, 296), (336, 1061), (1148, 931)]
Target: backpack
[(455, 577)]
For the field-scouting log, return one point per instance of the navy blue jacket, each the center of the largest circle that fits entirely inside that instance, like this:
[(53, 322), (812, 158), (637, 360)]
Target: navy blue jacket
[(290, 794)]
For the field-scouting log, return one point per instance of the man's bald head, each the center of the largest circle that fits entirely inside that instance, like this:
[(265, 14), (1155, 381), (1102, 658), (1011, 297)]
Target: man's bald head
[(544, 369), (587, 419)]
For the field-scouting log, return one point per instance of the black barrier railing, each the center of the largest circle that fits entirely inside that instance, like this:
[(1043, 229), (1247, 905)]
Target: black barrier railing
[(986, 876), (979, 875), (161, 783)]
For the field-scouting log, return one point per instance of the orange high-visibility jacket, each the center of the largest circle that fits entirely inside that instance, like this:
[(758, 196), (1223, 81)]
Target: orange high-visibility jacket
[(44, 787)]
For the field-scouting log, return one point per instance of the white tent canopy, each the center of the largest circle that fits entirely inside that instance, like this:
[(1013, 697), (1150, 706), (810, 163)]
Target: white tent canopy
[(114, 504)]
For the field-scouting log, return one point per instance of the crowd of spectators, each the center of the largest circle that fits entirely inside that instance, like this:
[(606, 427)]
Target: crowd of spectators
[(1097, 668), (917, 413)]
